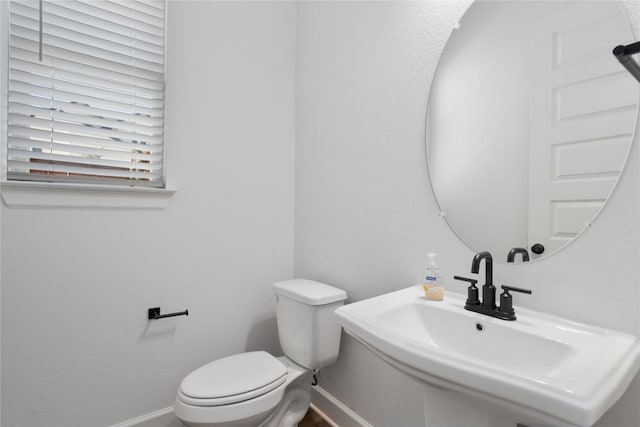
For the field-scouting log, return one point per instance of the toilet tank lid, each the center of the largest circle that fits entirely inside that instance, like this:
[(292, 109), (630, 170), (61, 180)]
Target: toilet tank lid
[(309, 292)]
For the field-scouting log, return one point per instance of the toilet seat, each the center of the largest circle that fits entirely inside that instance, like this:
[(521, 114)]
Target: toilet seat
[(233, 379), (247, 413)]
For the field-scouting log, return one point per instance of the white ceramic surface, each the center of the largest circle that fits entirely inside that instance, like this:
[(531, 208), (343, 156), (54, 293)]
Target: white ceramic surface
[(233, 379), (541, 366), (309, 292)]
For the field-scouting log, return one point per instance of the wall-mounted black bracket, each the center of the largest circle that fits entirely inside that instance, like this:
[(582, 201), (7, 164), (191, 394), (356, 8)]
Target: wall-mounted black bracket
[(154, 314), (623, 54)]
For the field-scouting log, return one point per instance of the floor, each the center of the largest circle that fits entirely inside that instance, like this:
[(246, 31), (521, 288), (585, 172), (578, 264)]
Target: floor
[(313, 420)]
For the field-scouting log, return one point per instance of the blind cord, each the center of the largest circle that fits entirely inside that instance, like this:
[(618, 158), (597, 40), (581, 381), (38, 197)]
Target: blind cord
[(40, 34)]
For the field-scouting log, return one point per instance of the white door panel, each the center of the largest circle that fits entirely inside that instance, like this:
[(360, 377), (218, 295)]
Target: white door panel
[(582, 115)]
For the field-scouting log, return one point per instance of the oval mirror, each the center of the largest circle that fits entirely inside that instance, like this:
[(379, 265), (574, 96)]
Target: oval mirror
[(530, 123)]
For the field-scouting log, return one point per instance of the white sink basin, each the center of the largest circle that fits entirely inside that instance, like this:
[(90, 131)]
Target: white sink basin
[(545, 367)]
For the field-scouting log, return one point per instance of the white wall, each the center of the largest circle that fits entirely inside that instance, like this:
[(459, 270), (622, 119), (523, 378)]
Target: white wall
[(366, 217), (77, 349)]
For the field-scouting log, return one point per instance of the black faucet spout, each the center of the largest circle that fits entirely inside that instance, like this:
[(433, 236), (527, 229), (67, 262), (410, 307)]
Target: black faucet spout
[(511, 256), (488, 290), (488, 265)]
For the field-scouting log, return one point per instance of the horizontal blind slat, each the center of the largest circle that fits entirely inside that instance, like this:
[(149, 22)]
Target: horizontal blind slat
[(104, 11), (99, 103), (19, 74), (56, 45), (22, 113), (17, 176), (79, 168), (26, 137), (115, 11), (75, 92), (155, 4), (78, 160), (62, 15), (18, 100), (27, 115), (62, 168), (87, 131), (105, 154), (23, 51), (106, 40), (156, 12), (55, 28), (88, 85)]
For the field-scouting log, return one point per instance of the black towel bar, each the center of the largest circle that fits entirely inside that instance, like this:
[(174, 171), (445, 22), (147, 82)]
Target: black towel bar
[(623, 54)]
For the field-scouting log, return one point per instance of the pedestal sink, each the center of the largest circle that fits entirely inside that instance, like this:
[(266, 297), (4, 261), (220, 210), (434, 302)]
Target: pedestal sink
[(538, 370)]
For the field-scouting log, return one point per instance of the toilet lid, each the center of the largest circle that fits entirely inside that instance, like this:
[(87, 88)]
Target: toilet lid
[(235, 378)]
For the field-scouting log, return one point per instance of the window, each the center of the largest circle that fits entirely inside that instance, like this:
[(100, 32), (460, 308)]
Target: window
[(86, 91)]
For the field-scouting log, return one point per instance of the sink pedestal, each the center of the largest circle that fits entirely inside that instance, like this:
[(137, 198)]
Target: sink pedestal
[(445, 408)]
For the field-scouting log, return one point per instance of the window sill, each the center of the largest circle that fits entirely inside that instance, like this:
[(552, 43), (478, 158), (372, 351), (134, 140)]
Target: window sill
[(19, 194)]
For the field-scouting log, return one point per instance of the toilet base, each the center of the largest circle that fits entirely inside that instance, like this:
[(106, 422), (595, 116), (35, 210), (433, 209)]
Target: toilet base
[(296, 400), (256, 420)]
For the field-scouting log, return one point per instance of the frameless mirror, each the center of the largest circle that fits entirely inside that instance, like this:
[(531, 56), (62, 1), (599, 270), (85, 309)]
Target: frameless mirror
[(530, 122)]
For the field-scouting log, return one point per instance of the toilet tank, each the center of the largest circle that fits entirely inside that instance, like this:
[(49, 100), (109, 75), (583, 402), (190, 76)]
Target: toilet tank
[(309, 334)]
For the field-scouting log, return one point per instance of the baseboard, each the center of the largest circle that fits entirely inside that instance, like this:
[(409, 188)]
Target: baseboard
[(328, 407), (160, 418), (334, 411)]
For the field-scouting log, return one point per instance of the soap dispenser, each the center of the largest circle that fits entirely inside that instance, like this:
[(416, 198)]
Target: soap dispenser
[(434, 284)]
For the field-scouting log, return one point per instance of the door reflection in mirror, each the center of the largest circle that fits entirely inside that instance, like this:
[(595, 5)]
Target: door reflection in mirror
[(530, 122)]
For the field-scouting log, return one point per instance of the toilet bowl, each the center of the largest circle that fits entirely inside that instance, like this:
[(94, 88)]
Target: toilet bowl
[(282, 401), (257, 389)]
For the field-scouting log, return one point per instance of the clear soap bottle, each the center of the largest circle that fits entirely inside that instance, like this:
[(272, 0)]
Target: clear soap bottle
[(433, 284)]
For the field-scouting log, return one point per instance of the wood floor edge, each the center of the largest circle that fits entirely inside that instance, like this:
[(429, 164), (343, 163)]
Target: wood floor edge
[(324, 416), (339, 414)]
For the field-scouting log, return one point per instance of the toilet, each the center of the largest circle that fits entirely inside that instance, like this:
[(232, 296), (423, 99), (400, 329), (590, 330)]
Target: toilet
[(257, 389)]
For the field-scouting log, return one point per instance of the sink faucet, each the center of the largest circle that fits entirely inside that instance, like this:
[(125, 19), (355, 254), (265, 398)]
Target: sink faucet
[(488, 290), (488, 304), (511, 256)]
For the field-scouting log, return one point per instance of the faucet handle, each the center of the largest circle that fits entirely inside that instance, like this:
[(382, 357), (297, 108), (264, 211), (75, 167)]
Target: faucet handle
[(466, 279), (506, 300), (472, 291), (506, 289)]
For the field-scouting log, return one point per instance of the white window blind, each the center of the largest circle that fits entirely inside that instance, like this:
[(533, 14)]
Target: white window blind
[(92, 110)]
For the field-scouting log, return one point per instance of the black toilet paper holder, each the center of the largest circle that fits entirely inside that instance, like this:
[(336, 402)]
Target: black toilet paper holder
[(154, 314)]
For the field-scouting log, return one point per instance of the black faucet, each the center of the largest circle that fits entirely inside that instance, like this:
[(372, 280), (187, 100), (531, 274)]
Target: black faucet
[(515, 251), (488, 304), (488, 290)]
